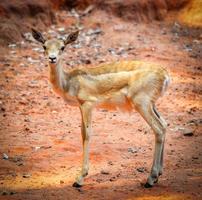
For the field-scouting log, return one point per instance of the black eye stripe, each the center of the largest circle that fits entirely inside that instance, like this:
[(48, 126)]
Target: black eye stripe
[(62, 48), (44, 47)]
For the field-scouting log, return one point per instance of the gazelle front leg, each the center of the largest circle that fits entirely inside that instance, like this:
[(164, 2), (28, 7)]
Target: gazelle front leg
[(86, 115)]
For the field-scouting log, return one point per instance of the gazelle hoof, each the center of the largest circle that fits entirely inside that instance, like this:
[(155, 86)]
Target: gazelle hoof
[(76, 185), (147, 185)]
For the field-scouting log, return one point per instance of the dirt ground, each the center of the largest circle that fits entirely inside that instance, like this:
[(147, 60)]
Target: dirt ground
[(40, 142)]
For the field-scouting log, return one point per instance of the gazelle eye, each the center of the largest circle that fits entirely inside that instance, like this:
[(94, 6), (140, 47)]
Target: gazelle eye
[(62, 48), (44, 47)]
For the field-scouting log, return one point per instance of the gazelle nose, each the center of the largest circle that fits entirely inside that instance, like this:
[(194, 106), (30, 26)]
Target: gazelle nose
[(52, 59)]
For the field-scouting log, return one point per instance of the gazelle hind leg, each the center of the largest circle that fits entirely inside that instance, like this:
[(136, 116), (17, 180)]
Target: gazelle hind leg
[(164, 124), (145, 108)]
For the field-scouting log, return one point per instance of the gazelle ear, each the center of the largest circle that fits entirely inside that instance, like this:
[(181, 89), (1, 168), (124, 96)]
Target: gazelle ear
[(72, 37), (38, 36)]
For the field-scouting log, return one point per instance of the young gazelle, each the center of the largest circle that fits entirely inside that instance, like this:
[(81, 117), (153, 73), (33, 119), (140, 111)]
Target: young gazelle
[(126, 84)]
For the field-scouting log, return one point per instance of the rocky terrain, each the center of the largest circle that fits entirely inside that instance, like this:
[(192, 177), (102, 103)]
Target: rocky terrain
[(40, 142)]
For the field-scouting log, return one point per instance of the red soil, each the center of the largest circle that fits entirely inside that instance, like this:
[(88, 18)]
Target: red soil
[(40, 133)]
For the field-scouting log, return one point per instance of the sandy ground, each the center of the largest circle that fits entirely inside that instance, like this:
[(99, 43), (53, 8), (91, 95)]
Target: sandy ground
[(40, 133)]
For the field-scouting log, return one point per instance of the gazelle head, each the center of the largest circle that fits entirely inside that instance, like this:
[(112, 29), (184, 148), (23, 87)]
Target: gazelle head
[(54, 47)]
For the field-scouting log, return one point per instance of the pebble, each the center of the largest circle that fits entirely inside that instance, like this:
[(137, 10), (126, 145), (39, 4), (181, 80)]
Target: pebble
[(12, 45), (141, 169), (132, 150), (119, 27), (185, 131), (28, 37), (22, 65), (104, 172), (4, 193), (94, 31), (88, 10), (86, 61), (36, 148), (37, 49), (188, 132), (61, 29), (31, 60), (112, 51), (195, 157), (99, 180), (112, 178), (33, 84), (26, 175), (110, 163), (5, 156)]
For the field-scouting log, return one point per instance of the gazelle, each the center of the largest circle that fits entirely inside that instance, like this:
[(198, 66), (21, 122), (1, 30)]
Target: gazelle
[(127, 85)]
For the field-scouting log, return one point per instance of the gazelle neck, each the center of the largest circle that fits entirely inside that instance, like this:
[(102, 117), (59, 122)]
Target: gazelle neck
[(60, 81), (58, 77)]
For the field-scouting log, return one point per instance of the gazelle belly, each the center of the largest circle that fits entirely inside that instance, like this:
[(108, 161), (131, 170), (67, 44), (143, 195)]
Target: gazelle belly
[(116, 102)]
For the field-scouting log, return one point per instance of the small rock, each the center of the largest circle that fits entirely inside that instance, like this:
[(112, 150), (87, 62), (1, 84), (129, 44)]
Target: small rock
[(12, 45), (5, 156), (96, 45), (16, 159), (176, 27), (189, 174), (4, 193), (104, 172), (185, 131), (61, 29), (132, 150), (195, 122), (12, 52), (28, 37), (19, 164), (194, 55), (33, 84), (27, 129), (196, 42), (163, 32), (119, 27), (76, 46), (110, 163), (99, 180), (31, 60), (40, 50), (26, 175), (88, 10), (94, 31), (188, 47), (12, 193), (46, 147), (188, 132), (141, 169), (61, 182), (2, 109), (23, 65), (112, 178), (112, 51), (86, 61), (36, 148)]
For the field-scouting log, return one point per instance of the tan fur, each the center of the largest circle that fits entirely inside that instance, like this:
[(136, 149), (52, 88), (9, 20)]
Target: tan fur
[(113, 85), (125, 85)]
